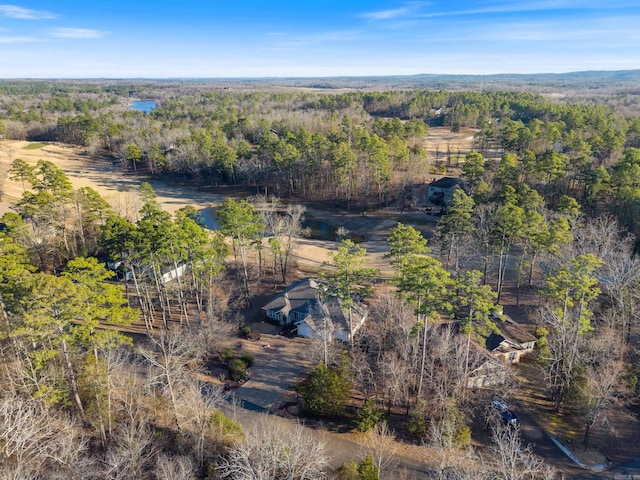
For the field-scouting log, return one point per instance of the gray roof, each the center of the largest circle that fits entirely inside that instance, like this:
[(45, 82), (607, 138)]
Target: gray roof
[(515, 332), (493, 341), (512, 333), (447, 182), (300, 296)]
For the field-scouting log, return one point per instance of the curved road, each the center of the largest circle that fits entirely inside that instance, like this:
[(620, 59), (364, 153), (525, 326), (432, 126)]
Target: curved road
[(341, 450), (338, 449)]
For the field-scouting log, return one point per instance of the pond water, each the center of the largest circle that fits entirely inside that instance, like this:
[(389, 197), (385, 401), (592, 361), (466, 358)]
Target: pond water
[(145, 106), (318, 230), (209, 219)]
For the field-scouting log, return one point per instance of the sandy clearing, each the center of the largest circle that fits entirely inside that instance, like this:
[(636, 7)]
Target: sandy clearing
[(114, 185), (442, 142)]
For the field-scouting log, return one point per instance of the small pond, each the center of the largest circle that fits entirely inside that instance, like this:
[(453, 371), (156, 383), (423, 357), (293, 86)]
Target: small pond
[(318, 230), (145, 106), (209, 218)]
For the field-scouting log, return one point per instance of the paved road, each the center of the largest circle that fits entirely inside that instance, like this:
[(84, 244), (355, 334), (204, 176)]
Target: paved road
[(549, 451), (338, 449), (544, 447), (341, 450), (628, 471), (280, 363)]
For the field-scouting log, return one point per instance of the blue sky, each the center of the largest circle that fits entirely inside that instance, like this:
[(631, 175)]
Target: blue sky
[(227, 38)]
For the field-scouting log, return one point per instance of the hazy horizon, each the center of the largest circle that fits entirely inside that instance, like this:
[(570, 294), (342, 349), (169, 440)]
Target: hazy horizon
[(200, 39), (318, 77)]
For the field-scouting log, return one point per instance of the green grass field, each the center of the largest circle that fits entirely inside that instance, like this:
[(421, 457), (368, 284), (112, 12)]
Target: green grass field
[(35, 146)]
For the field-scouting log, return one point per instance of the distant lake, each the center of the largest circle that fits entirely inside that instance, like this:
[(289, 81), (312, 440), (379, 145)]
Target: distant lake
[(145, 106)]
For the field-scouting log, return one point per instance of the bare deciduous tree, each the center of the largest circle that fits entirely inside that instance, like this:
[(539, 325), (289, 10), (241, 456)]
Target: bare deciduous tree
[(34, 436), (131, 454), (513, 460), (603, 372), (174, 468), (170, 354), (457, 464), (276, 450), (285, 224), (198, 401), (381, 445)]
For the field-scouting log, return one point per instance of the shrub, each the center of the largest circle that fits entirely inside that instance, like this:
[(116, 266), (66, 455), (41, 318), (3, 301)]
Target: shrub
[(237, 369), (245, 331), (367, 417), (248, 359), (226, 354), (327, 390), (228, 431), (364, 470), (348, 471), (462, 436), (367, 470), (418, 427)]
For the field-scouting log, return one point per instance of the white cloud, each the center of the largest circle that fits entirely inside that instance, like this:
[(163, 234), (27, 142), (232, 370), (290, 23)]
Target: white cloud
[(13, 11), (386, 14), (531, 6), (407, 9), (7, 40), (77, 33)]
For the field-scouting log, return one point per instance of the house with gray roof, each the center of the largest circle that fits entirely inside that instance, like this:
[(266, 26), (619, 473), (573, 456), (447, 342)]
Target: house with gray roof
[(441, 191), (316, 314)]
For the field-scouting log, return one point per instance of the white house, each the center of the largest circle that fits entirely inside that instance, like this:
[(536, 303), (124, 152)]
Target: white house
[(300, 304)]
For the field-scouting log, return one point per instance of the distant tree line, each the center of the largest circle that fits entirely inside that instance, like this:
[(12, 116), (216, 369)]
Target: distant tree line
[(356, 148)]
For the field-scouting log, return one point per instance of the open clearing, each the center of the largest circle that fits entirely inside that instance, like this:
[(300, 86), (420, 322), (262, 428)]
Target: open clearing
[(109, 180), (115, 185), (119, 189)]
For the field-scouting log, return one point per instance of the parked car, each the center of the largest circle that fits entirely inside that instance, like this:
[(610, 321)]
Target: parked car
[(509, 418), (500, 406)]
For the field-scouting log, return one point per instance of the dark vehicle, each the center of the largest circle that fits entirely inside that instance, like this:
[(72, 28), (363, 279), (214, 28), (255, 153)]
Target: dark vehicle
[(509, 418), (500, 406)]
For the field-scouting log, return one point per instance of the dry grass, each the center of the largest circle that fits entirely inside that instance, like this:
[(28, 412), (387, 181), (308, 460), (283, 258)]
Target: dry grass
[(115, 186)]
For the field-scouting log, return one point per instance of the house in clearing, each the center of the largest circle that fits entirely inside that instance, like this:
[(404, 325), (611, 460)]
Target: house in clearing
[(302, 305), (511, 343), (441, 191)]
